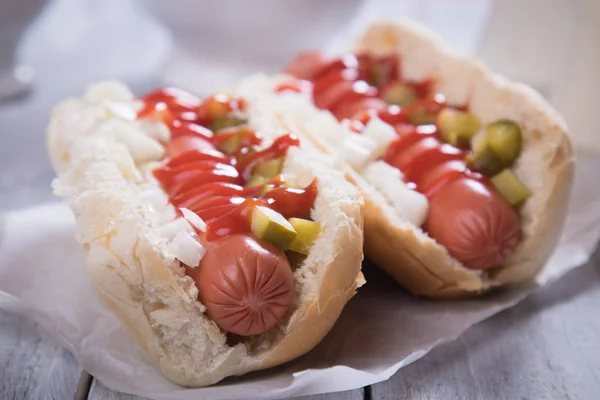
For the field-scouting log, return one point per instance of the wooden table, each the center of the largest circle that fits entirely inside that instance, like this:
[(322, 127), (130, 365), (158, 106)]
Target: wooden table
[(547, 347)]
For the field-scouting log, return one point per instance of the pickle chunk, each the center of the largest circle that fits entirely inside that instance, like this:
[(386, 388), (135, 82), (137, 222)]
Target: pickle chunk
[(424, 112), (235, 142), (421, 116), (270, 168), (221, 123), (271, 226), (510, 187), (256, 180), (308, 232), (400, 94), (457, 127), (504, 139), (482, 157), (265, 171), (266, 189), (495, 148)]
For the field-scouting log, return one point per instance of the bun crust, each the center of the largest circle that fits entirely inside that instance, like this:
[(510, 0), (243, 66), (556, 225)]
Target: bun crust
[(145, 286)]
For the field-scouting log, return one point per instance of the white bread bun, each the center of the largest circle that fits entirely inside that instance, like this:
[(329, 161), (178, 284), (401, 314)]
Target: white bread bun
[(546, 166), (127, 255)]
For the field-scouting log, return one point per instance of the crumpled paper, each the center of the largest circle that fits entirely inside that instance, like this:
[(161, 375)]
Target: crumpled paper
[(381, 330)]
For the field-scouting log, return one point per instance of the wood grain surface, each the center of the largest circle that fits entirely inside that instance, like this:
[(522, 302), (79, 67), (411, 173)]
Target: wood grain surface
[(544, 348), (100, 392), (547, 347), (32, 365)]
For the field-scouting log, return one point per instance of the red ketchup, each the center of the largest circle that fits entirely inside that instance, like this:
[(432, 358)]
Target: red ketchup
[(467, 216), (198, 176), (426, 161)]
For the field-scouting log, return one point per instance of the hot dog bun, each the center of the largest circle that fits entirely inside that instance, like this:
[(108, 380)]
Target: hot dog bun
[(100, 165), (546, 166)]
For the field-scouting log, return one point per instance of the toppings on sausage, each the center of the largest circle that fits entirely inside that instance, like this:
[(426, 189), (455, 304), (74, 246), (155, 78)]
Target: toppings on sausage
[(238, 203), (306, 64), (221, 176), (441, 150)]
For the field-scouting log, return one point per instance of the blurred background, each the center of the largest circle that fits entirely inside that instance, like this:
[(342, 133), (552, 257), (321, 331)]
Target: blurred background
[(52, 49)]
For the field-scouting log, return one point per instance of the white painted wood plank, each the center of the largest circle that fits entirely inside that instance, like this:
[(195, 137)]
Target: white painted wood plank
[(545, 348), (100, 392), (33, 365)]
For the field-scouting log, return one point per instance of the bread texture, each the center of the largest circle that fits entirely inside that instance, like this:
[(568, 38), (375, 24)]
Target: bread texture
[(102, 175), (546, 165)]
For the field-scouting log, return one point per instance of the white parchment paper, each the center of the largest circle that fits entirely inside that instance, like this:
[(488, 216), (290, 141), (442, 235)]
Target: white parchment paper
[(381, 330)]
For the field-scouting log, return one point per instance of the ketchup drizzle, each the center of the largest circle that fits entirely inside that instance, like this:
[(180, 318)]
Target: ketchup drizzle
[(209, 182), (418, 150)]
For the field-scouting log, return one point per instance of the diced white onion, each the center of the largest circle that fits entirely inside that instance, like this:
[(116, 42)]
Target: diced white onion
[(410, 205), (380, 133), (327, 127), (156, 130), (142, 147), (167, 215), (414, 204), (385, 171), (147, 168), (194, 219), (171, 229), (126, 164), (154, 199), (186, 249), (108, 90), (357, 151), (120, 109)]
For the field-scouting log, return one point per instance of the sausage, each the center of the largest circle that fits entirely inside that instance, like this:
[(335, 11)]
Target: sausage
[(245, 283), (425, 158), (474, 223), (332, 95), (440, 175), (306, 64), (343, 92), (405, 157), (183, 144), (190, 128), (332, 77), (350, 109)]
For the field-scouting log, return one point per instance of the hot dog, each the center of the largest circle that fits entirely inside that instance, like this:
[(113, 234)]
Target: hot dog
[(466, 176), (245, 283), (469, 218), (207, 227)]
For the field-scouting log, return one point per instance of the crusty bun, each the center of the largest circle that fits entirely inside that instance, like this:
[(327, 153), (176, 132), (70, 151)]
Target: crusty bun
[(546, 166), (102, 175)]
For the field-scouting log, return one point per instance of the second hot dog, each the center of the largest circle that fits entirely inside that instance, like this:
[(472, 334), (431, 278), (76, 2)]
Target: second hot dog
[(420, 127), (356, 88)]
